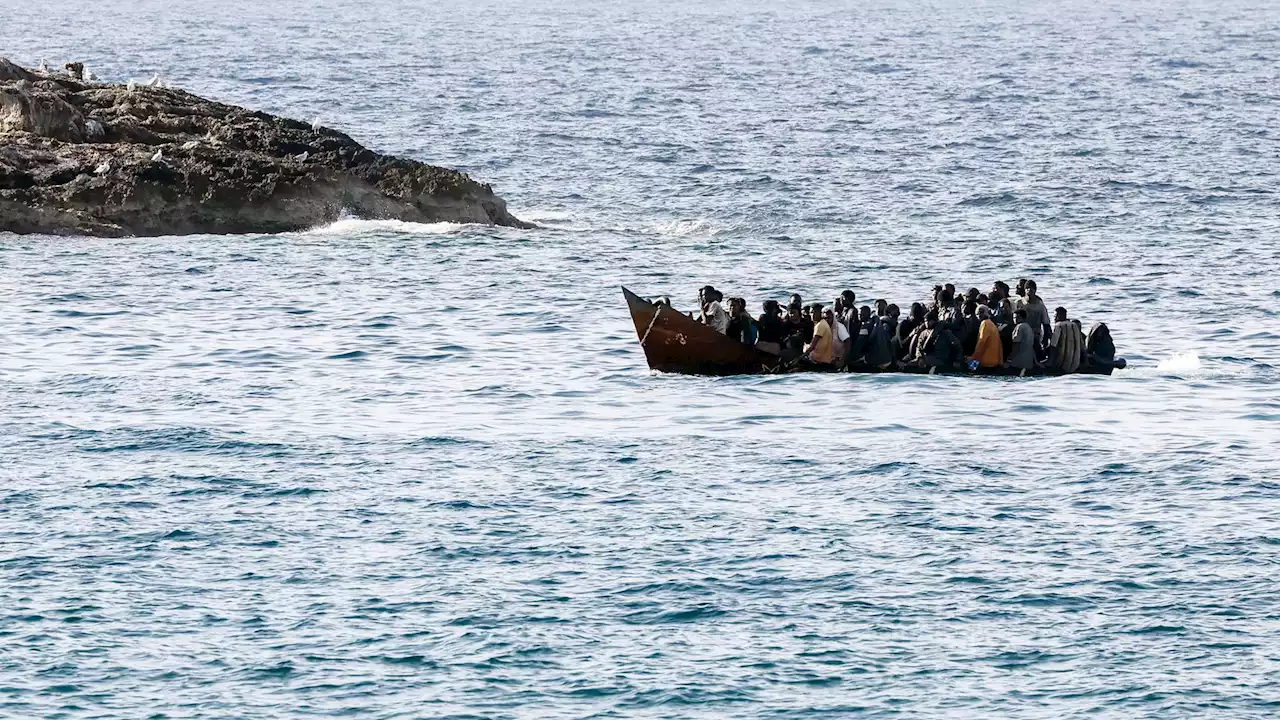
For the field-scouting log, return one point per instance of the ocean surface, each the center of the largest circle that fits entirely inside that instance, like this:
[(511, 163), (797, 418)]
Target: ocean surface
[(386, 470)]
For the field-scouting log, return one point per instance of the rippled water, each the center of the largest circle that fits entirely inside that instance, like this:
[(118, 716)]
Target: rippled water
[(389, 470)]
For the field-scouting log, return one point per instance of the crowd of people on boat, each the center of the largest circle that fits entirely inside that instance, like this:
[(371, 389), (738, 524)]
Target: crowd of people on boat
[(973, 330)]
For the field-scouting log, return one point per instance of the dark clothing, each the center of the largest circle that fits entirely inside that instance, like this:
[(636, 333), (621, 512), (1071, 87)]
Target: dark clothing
[(1099, 348), (741, 328), (1006, 338), (969, 334), (945, 347), (771, 329), (799, 334), (879, 349), (905, 329)]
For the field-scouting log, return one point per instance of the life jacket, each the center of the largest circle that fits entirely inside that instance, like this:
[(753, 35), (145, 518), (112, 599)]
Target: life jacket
[(1099, 344)]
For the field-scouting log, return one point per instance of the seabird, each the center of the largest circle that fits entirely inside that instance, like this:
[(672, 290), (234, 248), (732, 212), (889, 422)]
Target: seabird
[(158, 157), (44, 66), (102, 169), (154, 81), (302, 156), (315, 124)]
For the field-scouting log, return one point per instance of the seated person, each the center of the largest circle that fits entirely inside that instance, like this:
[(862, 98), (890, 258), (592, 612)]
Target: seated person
[(771, 330), (741, 327), (988, 352), (823, 350), (1023, 356)]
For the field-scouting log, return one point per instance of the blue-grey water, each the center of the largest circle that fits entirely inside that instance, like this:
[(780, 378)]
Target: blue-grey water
[(384, 470)]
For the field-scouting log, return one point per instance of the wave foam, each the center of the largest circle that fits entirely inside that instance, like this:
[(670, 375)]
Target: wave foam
[(1180, 364), (351, 226)]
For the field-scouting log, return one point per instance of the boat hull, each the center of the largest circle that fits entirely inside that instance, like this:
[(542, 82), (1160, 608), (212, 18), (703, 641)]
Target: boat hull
[(676, 343)]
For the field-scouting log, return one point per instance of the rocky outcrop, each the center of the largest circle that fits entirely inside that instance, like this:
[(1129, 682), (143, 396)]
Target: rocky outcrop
[(86, 158)]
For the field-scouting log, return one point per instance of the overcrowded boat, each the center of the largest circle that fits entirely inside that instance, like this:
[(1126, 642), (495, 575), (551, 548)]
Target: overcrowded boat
[(971, 333)]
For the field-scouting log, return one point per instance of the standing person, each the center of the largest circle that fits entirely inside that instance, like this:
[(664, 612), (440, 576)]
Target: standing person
[(1064, 348), (988, 352), (1037, 314), (713, 314), (882, 307), (771, 330), (1023, 356)]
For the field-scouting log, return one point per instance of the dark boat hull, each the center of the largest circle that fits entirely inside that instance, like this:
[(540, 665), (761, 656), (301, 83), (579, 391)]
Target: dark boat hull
[(676, 343)]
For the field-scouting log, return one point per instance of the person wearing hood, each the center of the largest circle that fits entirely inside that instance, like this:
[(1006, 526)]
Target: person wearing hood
[(988, 353)]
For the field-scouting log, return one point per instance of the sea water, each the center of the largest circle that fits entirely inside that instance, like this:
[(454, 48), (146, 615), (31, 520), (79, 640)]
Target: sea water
[(386, 470)]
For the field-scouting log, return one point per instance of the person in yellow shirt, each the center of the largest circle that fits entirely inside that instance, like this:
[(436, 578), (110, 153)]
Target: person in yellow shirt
[(988, 353), (822, 349)]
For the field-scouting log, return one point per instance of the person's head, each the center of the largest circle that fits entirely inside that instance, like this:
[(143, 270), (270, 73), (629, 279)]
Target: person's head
[(1022, 287), (807, 312), (826, 314), (838, 305), (771, 308), (1059, 314), (815, 311), (1031, 288), (983, 299), (1076, 322), (917, 312), (984, 312), (1020, 316), (972, 294), (849, 298), (707, 294), (893, 311), (864, 313), (793, 313), (931, 320), (951, 289), (947, 297), (795, 300), (737, 305), (999, 290), (959, 302), (970, 307), (882, 306)]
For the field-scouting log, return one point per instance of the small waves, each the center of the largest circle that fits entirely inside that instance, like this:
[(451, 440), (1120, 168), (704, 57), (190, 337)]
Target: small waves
[(348, 227)]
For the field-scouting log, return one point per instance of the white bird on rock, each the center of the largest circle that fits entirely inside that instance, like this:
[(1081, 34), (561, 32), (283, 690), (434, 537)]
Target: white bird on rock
[(302, 156), (44, 66), (86, 75), (154, 81), (315, 124), (158, 157), (102, 169)]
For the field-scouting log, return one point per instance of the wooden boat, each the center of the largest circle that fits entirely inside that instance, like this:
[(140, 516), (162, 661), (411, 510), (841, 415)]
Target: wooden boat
[(676, 343)]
